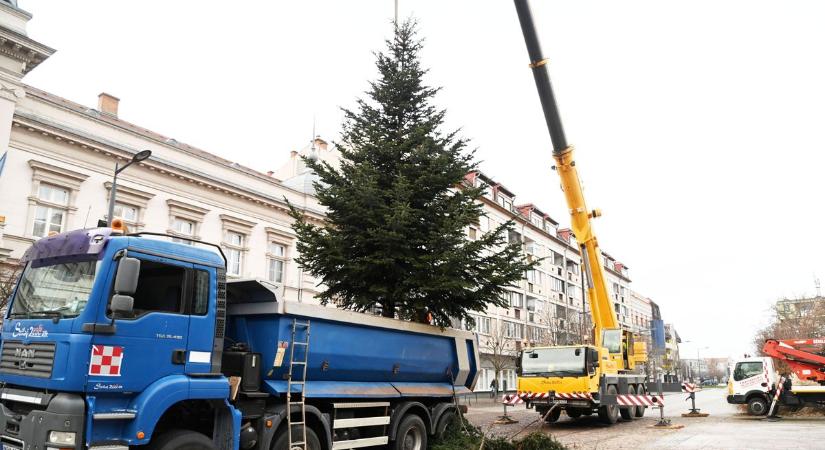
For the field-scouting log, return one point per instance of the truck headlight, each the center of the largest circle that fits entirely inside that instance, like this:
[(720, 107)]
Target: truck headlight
[(62, 437)]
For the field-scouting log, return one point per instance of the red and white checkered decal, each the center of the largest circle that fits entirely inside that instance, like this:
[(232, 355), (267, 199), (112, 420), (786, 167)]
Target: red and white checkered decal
[(106, 360)]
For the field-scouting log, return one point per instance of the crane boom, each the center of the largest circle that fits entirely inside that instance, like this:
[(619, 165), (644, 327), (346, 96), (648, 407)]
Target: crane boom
[(604, 317), (804, 356)]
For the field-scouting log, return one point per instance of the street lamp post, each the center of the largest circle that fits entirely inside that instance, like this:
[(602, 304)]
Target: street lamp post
[(139, 156)]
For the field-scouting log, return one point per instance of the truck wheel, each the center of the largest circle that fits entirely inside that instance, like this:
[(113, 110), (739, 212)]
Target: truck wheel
[(640, 410), (628, 412), (282, 442), (444, 422), (411, 435), (182, 440), (609, 414), (757, 406), (553, 416)]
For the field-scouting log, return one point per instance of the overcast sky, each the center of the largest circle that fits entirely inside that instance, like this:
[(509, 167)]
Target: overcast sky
[(698, 124)]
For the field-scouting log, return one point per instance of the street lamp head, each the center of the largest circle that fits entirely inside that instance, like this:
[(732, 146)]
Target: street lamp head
[(141, 155)]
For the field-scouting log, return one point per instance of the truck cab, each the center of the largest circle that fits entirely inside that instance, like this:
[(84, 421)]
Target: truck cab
[(751, 383), (80, 340)]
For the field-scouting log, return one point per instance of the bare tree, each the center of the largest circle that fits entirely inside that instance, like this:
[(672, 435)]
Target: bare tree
[(500, 349), (805, 320), (547, 317)]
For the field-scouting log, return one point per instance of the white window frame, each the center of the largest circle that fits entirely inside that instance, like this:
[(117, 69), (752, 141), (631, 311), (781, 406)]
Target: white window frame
[(131, 198), (236, 249), (46, 174), (274, 259), (179, 210)]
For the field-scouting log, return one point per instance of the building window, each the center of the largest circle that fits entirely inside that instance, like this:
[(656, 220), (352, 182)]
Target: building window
[(484, 224), (234, 243), (185, 220), (480, 324), (556, 284), (130, 204), (50, 212), (473, 234), (184, 228), (126, 212), (516, 300), (513, 330), (277, 259), (52, 198)]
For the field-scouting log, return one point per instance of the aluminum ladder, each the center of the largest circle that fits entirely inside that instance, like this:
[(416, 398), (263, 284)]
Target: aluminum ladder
[(300, 340)]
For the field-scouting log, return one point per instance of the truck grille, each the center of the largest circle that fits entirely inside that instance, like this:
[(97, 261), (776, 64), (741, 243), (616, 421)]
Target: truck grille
[(33, 360)]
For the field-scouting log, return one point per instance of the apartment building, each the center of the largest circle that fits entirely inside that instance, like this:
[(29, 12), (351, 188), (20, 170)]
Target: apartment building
[(545, 308), (618, 286), (794, 309), (670, 363)]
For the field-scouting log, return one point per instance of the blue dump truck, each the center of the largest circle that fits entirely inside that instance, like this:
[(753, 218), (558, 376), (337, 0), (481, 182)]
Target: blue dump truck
[(116, 341)]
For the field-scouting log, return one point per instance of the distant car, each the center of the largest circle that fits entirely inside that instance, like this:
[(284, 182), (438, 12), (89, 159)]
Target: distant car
[(709, 383)]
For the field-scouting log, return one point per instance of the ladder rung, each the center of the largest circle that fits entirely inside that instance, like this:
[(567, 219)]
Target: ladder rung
[(299, 362), (296, 403), (297, 423), (296, 382), (300, 343)]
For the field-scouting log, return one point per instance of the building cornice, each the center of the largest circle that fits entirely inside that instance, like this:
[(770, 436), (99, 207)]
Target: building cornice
[(164, 167), (623, 277), (156, 138), (23, 49), (236, 223)]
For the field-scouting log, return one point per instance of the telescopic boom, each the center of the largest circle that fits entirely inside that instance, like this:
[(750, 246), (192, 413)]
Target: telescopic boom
[(604, 317)]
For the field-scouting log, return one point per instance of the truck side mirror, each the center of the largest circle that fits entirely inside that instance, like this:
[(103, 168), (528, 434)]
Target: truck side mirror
[(122, 304), (591, 360), (126, 279)]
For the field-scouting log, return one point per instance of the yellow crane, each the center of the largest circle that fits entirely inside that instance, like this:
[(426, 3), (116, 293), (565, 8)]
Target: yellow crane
[(580, 379)]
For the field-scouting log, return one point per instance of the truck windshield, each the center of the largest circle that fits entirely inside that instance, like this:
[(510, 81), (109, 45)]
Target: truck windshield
[(566, 361), (59, 290)]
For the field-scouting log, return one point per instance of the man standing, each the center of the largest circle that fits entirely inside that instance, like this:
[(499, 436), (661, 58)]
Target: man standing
[(494, 388)]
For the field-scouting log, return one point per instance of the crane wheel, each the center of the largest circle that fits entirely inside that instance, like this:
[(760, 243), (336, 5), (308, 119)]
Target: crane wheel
[(640, 410), (628, 412), (609, 414)]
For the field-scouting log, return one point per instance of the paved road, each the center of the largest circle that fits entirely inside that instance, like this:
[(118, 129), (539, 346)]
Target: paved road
[(726, 428)]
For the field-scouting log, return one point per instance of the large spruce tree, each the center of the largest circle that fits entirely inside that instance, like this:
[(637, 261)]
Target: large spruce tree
[(398, 210)]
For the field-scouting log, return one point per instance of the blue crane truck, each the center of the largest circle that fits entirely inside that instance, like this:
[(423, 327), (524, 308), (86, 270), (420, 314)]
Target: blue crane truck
[(114, 341)]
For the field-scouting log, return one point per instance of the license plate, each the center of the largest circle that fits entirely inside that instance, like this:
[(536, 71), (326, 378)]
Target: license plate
[(10, 447)]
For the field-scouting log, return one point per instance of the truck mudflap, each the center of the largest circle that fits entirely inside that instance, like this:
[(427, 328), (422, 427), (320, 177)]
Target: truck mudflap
[(28, 418)]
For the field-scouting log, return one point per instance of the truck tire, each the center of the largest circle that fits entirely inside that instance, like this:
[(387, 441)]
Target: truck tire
[(628, 412), (609, 414), (757, 406), (444, 422), (411, 434), (553, 416), (282, 441), (640, 410), (182, 440)]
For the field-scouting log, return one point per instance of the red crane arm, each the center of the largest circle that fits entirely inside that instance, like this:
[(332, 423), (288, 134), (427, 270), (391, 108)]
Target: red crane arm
[(806, 364)]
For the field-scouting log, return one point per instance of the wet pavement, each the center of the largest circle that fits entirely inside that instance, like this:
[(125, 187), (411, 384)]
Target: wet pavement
[(727, 427)]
